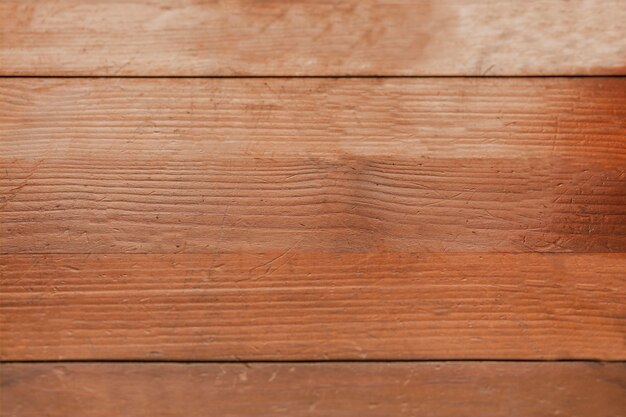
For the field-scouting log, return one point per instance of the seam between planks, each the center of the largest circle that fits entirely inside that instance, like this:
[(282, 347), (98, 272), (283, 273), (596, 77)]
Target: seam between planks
[(314, 76), (306, 361)]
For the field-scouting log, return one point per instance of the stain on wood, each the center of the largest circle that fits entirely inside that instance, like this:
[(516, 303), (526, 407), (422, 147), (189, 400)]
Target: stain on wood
[(355, 37)]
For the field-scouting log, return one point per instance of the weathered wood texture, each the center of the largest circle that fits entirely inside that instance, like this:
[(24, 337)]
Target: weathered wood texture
[(354, 37), (322, 389), (296, 218), (312, 165), (313, 306)]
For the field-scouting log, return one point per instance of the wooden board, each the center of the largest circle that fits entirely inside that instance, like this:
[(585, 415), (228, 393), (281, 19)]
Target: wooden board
[(439, 389), (313, 306), (354, 37), (312, 165)]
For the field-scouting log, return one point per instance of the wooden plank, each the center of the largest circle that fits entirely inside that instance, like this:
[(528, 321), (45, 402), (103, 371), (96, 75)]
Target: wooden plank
[(278, 306), (439, 389), (312, 165), (353, 37)]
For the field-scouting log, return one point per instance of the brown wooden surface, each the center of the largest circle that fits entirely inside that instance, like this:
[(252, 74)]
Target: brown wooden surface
[(249, 219), (313, 306), (443, 389), (313, 218), (312, 165), (355, 37)]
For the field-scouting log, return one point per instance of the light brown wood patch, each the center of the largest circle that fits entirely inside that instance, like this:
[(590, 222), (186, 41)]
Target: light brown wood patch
[(355, 37)]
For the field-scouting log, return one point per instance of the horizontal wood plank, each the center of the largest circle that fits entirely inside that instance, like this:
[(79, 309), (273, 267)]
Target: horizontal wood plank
[(312, 165), (291, 305), (354, 37), (441, 389)]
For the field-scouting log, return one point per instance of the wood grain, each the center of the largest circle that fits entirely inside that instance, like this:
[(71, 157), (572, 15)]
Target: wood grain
[(312, 165), (439, 389), (292, 305), (354, 37)]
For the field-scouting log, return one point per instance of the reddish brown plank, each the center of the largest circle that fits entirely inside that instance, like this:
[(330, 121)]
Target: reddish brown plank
[(312, 165), (313, 306), (439, 389), (354, 37)]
